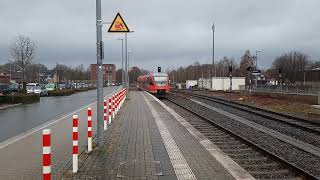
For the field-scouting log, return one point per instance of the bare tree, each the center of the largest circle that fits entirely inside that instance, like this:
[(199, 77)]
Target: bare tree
[(23, 51), (60, 71), (291, 65)]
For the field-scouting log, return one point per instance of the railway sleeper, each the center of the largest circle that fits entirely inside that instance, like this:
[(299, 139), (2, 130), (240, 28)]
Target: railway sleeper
[(280, 174), (239, 151)]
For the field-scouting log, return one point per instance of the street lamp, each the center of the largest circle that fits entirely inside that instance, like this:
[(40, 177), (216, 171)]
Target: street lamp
[(122, 71), (126, 64), (213, 30), (256, 81), (257, 51), (129, 52)]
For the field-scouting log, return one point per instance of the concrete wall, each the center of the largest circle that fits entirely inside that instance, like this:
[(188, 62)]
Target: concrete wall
[(204, 83), (223, 83), (191, 83)]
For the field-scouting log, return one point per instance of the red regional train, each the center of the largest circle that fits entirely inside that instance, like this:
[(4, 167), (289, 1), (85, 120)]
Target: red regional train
[(155, 83)]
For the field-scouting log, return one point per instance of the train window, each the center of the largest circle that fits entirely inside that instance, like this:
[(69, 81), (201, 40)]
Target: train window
[(161, 80)]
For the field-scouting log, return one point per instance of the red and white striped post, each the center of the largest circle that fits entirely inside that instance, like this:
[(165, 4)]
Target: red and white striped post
[(119, 99), (110, 110), (89, 129), (116, 103), (46, 154), (105, 114), (113, 114), (75, 144), (122, 96)]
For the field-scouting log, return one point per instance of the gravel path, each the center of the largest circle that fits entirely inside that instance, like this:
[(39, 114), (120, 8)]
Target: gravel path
[(305, 161)]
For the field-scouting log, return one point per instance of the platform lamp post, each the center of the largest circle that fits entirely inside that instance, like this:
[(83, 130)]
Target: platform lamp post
[(213, 30), (129, 52), (126, 58), (122, 71), (256, 81)]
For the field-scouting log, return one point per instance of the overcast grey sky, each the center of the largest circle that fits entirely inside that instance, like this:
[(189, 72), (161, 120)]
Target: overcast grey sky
[(168, 33)]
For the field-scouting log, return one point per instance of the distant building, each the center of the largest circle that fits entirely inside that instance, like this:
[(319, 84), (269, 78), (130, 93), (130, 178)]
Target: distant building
[(4, 77), (16, 77), (109, 73), (311, 77)]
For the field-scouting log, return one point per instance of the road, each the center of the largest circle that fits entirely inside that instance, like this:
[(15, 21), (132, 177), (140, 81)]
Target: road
[(22, 118), (21, 156)]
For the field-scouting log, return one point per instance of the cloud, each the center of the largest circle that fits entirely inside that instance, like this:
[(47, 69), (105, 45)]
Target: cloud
[(167, 33)]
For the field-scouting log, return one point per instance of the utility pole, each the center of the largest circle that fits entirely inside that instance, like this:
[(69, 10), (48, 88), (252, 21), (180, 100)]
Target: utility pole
[(122, 70), (213, 30), (99, 25), (129, 66), (126, 58), (256, 76)]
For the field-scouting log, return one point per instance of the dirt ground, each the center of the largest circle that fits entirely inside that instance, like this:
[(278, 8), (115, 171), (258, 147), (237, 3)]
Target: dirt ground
[(282, 105)]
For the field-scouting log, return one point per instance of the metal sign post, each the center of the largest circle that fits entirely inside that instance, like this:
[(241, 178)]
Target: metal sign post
[(118, 25), (99, 25)]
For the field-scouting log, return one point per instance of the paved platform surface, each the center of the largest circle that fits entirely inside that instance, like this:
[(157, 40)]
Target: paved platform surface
[(21, 158), (146, 142)]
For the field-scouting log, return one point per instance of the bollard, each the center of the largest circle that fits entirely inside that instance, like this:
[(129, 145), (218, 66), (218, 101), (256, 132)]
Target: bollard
[(75, 144), (116, 103), (46, 154), (113, 107), (89, 129), (110, 112), (121, 99), (105, 114)]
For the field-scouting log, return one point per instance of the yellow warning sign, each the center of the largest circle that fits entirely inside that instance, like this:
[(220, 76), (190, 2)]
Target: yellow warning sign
[(118, 25)]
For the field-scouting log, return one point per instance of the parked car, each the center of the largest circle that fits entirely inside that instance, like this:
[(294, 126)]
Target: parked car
[(69, 86), (62, 86), (31, 86), (14, 87), (51, 86), (40, 90), (4, 89)]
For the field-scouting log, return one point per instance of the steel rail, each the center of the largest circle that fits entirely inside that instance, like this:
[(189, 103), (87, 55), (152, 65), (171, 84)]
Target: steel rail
[(238, 106), (250, 143)]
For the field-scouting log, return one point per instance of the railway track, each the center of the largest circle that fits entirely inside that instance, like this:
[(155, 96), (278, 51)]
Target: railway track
[(259, 156), (306, 125)]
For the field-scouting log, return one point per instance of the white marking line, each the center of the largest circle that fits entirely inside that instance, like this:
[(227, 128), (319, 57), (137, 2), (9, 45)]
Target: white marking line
[(179, 163), (232, 167), (38, 128), (9, 106), (282, 137)]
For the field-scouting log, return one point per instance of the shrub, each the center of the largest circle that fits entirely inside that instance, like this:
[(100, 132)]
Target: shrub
[(19, 98), (64, 92), (68, 92)]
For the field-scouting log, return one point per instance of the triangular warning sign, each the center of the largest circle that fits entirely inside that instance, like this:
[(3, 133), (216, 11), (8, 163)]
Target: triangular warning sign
[(118, 25)]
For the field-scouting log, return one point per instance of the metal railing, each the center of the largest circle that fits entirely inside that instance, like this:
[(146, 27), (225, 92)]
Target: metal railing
[(287, 89)]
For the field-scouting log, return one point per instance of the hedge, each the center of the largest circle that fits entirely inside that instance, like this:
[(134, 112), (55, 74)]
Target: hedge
[(68, 92), (19, 98), (64, 92)]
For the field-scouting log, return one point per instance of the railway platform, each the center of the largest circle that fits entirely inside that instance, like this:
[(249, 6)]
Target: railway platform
[(148, 140)]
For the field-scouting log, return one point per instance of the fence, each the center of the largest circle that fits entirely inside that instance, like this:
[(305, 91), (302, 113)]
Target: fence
[(287, 89)]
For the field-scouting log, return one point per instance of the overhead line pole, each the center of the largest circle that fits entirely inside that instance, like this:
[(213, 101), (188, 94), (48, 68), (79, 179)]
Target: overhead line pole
[(122, 71), (213, 29), (99, 25), (126, 59)]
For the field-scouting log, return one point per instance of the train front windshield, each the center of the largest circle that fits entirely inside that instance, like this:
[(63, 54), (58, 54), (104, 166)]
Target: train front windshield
[(160, 80)]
